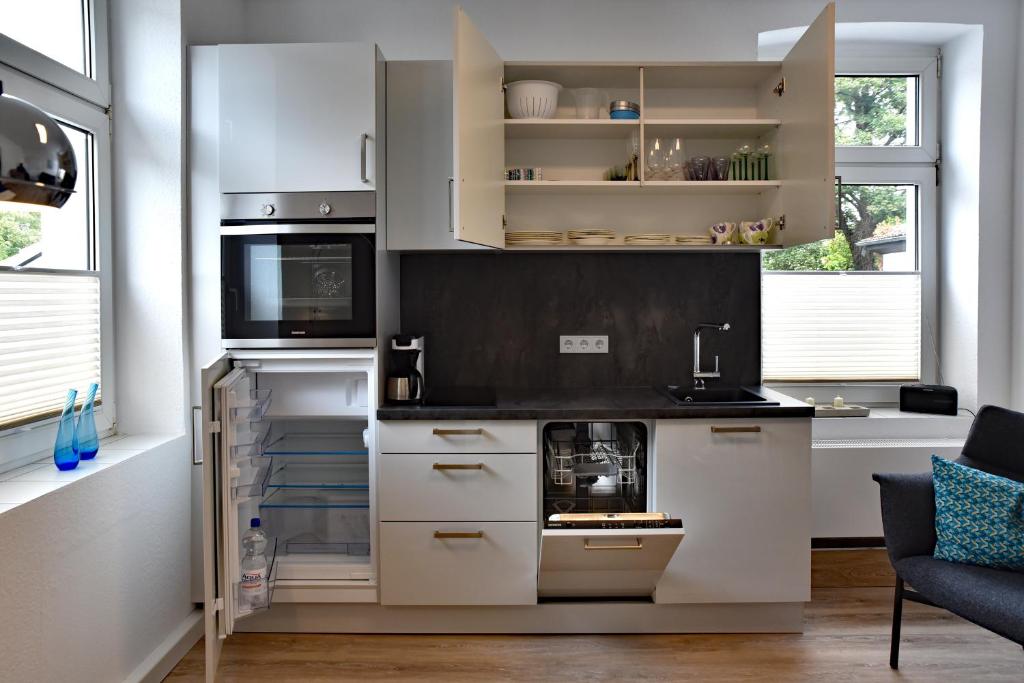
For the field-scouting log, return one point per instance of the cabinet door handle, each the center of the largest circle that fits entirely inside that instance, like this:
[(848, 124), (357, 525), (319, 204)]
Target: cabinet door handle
[(457, 466), (747, 429), (362, 157), (639, 545), (458, 534), (477, 431), (451, 205)]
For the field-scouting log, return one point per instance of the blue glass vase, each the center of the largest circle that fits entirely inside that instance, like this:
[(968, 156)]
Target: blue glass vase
[(86, 443), (64, 454)]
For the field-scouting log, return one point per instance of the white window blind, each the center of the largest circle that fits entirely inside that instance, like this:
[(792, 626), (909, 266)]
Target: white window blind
[(49, 342), (841, 326)]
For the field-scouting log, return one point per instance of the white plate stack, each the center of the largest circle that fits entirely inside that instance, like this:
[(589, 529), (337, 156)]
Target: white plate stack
[(693, 240), (592, 236), (648, 239), (533, 238)]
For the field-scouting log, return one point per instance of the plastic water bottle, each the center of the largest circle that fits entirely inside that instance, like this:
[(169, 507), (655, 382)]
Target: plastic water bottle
[(253, 590), (254, 537)]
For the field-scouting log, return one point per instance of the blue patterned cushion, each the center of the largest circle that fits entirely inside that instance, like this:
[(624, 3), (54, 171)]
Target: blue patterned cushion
[(978, 516)]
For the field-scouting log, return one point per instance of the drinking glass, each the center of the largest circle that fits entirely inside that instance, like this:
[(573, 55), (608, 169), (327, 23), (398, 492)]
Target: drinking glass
[(700, 167), (721, 167), (588, 102)]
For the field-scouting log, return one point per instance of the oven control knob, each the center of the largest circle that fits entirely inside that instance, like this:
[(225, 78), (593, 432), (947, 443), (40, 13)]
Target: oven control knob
[(325, 208), (267, 209)]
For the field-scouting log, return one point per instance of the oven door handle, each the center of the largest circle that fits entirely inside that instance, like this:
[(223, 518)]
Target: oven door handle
[(298, 229)]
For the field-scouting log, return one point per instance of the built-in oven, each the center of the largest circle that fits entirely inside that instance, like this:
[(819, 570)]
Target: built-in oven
[(603, 537), (298, 270)]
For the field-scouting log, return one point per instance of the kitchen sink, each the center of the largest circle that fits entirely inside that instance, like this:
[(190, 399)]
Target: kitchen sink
[(688, 396)]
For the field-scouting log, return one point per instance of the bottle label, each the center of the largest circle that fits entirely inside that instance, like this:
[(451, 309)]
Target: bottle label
[(252, 581)]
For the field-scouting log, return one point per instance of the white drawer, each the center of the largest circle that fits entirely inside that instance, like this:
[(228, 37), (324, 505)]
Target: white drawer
[(496, 564), (500, 487), (458, 436)]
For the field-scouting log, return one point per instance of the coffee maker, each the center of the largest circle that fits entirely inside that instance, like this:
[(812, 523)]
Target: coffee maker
[(405, 378)]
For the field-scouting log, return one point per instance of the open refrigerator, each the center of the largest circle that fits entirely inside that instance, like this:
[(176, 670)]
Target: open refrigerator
[(287, 438)]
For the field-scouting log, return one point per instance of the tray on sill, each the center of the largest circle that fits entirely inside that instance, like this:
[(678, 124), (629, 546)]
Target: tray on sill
[(845, 411)]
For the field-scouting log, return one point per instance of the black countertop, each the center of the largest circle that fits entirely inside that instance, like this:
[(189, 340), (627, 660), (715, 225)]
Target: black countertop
[(595, 404)]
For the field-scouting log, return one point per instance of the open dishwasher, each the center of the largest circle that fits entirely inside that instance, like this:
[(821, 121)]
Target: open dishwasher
[(600, 538)]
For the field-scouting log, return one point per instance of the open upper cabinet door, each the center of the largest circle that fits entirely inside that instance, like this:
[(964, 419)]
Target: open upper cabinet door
[(479, 137), (210, 376), (806, 142)]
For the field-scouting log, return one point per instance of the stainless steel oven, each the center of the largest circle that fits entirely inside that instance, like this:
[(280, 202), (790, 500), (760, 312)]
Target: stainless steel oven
[(298, 270)]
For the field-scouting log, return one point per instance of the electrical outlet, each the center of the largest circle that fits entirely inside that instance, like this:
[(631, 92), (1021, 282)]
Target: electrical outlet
[(583, 343)]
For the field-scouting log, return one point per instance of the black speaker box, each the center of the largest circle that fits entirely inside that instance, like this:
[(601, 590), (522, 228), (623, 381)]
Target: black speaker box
[(928, 398)]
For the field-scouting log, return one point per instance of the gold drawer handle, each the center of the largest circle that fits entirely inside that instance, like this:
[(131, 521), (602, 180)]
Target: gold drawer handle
[(457, 466), (753, 429), (639, 546), (458, 432), (458, 534)]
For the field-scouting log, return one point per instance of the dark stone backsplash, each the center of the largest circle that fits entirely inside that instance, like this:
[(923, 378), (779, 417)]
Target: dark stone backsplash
[(495, 319)]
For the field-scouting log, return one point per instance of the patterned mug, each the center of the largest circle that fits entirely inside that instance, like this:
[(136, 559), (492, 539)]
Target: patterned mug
[(722, 233)]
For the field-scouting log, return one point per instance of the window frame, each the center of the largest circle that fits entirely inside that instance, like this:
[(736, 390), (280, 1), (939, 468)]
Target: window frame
[(926, 71), (93, 86), (909, 165), (82, 101)]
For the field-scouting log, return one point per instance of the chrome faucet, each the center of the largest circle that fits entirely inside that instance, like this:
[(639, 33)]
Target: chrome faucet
[(699, 375)]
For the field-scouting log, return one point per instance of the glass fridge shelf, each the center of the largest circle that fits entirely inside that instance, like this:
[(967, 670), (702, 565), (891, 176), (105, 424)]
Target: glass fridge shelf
[(315, 444), (335, 476), (310, 499)]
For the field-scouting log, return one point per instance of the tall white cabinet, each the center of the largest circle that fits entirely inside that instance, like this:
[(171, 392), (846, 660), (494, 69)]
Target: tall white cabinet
[(300, 117), (713, 107)]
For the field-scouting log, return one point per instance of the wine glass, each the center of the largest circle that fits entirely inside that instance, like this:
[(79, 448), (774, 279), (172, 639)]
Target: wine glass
[(675, 154), (655, 159)]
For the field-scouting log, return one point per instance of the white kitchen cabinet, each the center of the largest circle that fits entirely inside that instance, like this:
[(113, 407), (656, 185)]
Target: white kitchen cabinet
[(713, 107), (457, 486), (459, 563), (300, 117), (458, 512), (419, 167), (458, 436), (302, 466), (743, 490)]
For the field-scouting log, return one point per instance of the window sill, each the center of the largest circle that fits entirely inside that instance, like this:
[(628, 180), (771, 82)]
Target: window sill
[(887, 422), (35, 480)]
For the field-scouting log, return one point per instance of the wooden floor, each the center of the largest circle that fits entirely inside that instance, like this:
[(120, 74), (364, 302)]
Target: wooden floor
[(846, 639)]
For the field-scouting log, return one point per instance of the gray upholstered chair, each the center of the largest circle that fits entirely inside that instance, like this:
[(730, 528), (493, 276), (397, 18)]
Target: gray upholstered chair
[(991, 598)]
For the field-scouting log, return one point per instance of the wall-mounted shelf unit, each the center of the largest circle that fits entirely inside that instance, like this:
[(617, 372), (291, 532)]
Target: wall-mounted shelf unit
[(450, 192), (648, 186), (711, 107)]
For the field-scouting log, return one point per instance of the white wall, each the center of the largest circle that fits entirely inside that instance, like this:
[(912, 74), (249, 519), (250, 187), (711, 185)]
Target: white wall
[(146, 81), (696, 29), (959, 251), (1017, 282), (95, 574)]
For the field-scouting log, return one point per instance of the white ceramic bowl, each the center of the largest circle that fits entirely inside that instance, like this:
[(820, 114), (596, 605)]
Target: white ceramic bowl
[(532, 99)]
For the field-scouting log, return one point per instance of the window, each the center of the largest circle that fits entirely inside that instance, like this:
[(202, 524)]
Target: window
[(58, 29), (55, 300), (858, 307), (876, 111)]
